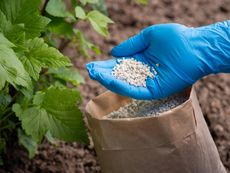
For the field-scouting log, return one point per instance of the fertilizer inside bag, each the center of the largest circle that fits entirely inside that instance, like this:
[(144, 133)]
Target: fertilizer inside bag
[(145, 108)]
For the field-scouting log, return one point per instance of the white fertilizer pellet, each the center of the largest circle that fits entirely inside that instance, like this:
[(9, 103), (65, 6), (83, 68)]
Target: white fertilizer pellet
[(144, 108), (132, 71)]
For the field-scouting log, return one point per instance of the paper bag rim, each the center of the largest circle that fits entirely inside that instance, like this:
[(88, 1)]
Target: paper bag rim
[(128, 100)]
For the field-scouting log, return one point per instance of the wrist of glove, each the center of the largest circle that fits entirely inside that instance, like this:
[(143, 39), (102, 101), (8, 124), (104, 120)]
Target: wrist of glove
[(211, 45)]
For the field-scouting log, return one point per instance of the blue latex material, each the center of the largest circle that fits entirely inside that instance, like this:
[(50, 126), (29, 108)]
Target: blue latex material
[(184, 55)]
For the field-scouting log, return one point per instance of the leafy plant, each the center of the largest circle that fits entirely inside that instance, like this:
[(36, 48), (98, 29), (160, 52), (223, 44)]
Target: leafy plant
[(35, 101), (63, 20)]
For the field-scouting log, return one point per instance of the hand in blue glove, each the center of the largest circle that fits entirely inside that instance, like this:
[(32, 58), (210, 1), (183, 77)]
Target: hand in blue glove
[(184, 55)]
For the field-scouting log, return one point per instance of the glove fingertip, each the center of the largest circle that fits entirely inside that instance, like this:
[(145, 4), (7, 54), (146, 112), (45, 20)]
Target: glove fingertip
[(116, 51), (89, 65), (91, 70)]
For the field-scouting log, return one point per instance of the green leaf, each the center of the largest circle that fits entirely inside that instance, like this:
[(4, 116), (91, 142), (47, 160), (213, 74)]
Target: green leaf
[(144, 2), (27, 142), (50, 138), (100, 6), (80, 13), (5, 41), (84, 45), (74, 3), (32, 66), (17, 109), (26, 14), (61, 27), (49, 39), (40, 55), (68, 75), (99, 22), (14, 33), (38, 98), (33, 121), (57, 113), (57, 8), (28, 93), (84, 2), (5, 99), (11, 69)]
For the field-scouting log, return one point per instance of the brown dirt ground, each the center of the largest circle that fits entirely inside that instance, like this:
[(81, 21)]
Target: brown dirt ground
[(129, 18)]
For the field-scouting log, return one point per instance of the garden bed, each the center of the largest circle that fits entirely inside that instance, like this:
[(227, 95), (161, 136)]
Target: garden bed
[(129, 18)]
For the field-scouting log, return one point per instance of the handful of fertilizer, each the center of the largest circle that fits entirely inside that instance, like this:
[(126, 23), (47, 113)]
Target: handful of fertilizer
[(132, 71)]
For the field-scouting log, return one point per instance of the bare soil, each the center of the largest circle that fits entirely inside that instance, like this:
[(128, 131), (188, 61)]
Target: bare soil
[(129, 17)]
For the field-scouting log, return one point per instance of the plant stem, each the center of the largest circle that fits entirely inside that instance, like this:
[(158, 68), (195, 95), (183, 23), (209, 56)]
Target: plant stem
[(43, 10), (63, 44), (15, 97), (9, 126), (5, 111), (5, 127), (6, 117)]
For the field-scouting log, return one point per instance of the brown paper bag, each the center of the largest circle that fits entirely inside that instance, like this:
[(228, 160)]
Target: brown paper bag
[(177, 141)]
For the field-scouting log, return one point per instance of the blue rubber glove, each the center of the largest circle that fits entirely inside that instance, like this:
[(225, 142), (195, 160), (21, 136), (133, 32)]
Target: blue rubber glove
[(184, 55)]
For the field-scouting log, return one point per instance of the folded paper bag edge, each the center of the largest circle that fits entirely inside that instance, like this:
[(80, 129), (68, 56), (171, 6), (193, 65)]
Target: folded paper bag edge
[(98, 108), (93, 106)]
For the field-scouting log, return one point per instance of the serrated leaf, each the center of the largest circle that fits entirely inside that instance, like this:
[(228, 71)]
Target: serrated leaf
[(84, 2), (68, 75), (57, 113), (11, 69), (33, 121), (5, 41), (38, 98), (57, 8), (60, 103), (17, 109), (80, 13), (40, 55), (32, 66), (99, 22), (14, 33), (27, 142), (25, 12), (84, 45)]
